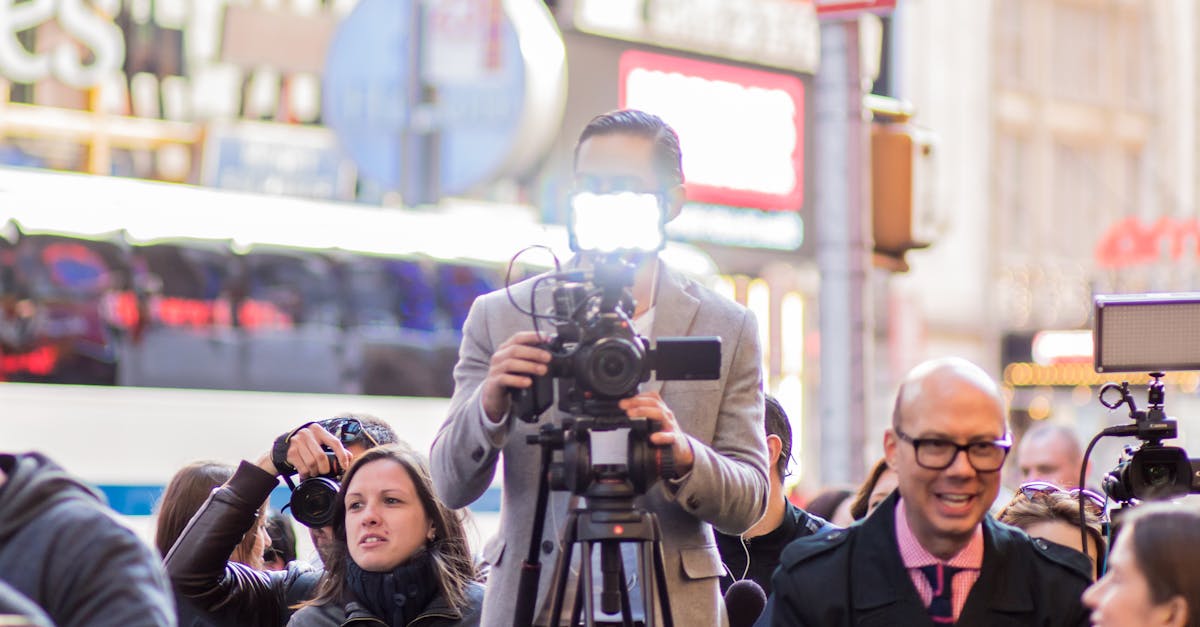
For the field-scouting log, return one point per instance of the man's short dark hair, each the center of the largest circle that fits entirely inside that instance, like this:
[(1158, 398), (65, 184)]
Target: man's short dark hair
[(778, 425), (668, 157)]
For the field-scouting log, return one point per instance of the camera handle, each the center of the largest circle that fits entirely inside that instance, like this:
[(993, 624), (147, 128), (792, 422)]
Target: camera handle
[(531, 568)]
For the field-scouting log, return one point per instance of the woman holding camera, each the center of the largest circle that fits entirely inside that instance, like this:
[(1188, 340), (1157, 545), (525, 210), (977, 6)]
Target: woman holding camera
[(1151, 578), (229, 593), (399, 555)]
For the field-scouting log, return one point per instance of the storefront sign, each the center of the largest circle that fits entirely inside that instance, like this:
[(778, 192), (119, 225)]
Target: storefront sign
[(302, 161), (489, 106), (741, 130), (92, 50), (777, 33), (1130, 242)]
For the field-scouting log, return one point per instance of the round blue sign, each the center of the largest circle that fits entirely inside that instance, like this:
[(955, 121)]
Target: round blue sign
[(476, 106)]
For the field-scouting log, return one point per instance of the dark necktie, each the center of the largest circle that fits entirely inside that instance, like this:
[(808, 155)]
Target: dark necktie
[(941, 607)]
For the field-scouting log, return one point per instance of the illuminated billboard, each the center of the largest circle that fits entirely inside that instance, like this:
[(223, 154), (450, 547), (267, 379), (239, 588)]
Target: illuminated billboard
[(741, 130)]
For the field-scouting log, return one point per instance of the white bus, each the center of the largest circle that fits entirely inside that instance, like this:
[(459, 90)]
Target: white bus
[(147, 325)]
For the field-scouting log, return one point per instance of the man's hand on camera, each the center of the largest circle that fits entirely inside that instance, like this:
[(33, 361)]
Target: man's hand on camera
[(306, 455), (650, 405), (512, 364)]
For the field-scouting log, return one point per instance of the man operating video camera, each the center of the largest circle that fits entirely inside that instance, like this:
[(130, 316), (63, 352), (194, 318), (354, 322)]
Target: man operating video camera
[(713, 428)]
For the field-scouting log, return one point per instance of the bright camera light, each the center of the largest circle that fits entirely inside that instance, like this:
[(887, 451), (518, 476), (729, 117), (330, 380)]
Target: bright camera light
[(607, 223)]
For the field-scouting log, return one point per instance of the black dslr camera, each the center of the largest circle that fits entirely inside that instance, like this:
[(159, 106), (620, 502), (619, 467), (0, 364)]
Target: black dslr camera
[(314, 501)]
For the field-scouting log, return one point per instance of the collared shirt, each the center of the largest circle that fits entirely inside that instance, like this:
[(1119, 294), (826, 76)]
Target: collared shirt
[(914, 556)]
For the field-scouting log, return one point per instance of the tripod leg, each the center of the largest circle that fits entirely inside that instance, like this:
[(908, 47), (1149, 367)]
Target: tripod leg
[(645, 562), (577, 607), (626, 610), (564, 569), (585, 577), (660, 576)]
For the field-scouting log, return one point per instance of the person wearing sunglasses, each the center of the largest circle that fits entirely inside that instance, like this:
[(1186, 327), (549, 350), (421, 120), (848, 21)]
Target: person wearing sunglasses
[(930, 553), (230, 593), (1043, 510)]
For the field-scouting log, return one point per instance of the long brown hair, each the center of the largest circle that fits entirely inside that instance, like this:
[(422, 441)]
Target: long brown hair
[(862, 499), (185, 493), (453, 567), (1166, 545)]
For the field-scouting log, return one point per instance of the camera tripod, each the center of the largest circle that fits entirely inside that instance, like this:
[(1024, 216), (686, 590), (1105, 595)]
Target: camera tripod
[(609, 524), (609, 519)]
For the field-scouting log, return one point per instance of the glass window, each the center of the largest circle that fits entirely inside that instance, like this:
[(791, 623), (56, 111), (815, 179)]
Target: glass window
[(288, 289)]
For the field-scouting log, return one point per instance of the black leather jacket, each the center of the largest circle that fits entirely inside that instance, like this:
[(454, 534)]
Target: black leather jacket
[(232, 593), (855, 576)]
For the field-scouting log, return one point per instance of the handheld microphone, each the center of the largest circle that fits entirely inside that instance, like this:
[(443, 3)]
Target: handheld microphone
[(744, 601)]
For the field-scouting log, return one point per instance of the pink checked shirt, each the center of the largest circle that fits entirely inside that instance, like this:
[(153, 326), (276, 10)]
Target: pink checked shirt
[(915, 556)]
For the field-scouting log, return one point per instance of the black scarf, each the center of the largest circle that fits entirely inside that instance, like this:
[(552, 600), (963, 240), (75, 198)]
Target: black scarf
[(398, 596)]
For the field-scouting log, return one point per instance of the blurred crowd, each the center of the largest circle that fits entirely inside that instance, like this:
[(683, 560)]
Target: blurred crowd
[(710, 539)]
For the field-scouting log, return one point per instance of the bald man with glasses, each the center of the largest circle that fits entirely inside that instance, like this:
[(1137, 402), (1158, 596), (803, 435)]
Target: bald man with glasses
[(931, 554)]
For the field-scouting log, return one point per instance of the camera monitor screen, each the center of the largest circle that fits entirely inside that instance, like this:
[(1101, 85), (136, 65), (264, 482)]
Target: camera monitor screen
[(1147, 332), (622, 222)]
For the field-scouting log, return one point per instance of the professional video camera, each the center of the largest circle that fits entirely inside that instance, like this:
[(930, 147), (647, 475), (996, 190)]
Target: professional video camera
[(597, 356), (314, 501), (598, 359), (1146, 332)]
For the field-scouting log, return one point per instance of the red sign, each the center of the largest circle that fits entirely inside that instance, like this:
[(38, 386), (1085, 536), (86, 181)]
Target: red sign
[(741, 130), (842, 8), (1128, 242)]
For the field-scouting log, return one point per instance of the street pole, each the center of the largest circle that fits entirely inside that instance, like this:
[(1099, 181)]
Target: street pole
[(843, 216), (419, 140)]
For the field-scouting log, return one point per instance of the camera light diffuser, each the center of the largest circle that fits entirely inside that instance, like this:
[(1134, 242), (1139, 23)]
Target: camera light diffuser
[(622, 222), (1147, 332)]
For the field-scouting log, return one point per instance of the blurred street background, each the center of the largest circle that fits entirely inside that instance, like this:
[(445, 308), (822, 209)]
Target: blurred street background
[(222, 218)]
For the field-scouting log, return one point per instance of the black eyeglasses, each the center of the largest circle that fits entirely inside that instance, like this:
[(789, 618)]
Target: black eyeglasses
[(1033, 489), (349, 431), (939, 454)]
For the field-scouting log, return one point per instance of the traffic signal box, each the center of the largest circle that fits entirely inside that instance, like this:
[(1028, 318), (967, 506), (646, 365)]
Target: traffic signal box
[(903, 210)]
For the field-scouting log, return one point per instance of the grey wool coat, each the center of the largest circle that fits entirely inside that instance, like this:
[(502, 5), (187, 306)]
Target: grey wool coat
[(723, 419)]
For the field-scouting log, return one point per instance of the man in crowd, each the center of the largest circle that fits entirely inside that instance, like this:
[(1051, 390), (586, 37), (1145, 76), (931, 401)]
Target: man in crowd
[(1050, 452), (714, 428), (64, 550), (933, 555), (754, 555)]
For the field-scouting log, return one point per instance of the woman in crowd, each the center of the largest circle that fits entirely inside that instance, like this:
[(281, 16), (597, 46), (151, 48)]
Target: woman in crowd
[(399, 555), (1043, 510), (832, 504), (1151, 576), (185, 493), (880, 483), (200, 571)]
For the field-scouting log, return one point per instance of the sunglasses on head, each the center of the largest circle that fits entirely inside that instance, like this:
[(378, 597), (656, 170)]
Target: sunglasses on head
[(349, 431), (1032, 489)]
